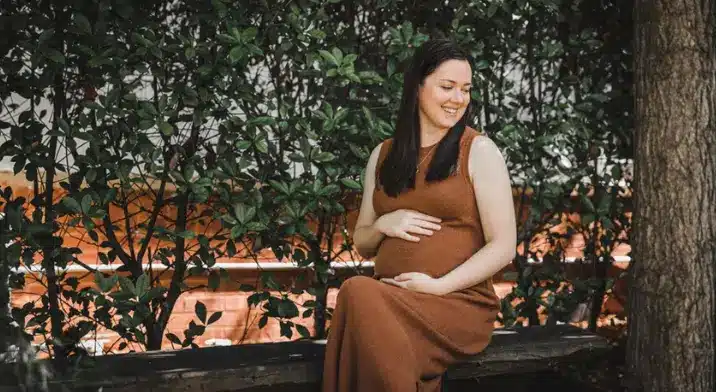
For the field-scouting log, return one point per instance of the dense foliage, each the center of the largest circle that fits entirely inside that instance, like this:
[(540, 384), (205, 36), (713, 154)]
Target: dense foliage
[(248, 125)]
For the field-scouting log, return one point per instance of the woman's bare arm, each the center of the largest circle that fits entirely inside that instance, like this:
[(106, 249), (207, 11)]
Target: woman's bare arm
[(366, 237), (493, 194)]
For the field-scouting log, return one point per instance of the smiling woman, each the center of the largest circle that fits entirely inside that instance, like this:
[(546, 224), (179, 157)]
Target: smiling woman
[(438, 217), (445, 96)]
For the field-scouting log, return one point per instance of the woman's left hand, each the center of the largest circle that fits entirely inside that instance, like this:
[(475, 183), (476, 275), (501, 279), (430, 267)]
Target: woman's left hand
[(418, 282)]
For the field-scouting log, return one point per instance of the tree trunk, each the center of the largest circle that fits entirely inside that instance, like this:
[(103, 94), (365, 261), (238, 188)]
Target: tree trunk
[(672, 312)]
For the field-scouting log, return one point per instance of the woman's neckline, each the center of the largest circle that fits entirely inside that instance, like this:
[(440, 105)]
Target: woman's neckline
[(431, 146), (434, 144)]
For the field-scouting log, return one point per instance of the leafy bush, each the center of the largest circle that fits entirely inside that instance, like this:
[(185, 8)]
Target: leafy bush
[(248, 127)]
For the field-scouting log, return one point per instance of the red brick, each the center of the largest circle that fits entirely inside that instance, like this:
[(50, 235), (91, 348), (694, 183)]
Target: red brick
[(236, 302), (230, 318)]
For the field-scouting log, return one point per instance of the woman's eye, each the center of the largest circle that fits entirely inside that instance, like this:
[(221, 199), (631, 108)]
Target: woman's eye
[(446, 87)]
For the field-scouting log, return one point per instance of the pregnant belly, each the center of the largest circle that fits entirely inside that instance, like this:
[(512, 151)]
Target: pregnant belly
[(434, 255)]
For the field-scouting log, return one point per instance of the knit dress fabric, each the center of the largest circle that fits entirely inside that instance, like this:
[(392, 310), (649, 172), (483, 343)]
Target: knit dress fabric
[(387, 338)]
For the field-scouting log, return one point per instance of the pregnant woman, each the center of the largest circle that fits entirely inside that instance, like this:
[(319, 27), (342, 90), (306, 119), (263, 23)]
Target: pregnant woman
[(437, 217)]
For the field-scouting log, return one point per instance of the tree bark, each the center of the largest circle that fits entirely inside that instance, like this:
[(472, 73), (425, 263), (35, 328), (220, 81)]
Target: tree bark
[(672, 313)]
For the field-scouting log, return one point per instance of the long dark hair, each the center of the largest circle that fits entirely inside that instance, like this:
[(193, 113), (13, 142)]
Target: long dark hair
[(398, 170)]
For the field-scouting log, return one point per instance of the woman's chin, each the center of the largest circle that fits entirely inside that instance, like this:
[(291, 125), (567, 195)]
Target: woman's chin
[(448, 123), (445, 122)]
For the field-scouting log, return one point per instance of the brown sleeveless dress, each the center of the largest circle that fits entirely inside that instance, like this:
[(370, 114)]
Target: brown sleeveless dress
[(386, 338)]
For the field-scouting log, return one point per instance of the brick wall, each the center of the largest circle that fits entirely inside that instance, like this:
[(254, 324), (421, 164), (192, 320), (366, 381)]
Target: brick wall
[(239, 323)]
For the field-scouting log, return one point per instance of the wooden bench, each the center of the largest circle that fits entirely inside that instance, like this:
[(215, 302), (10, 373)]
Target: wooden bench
[(287, 366)]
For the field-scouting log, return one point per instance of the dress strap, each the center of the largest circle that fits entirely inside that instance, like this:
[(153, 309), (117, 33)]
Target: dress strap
[(464, 155), (384, 149)]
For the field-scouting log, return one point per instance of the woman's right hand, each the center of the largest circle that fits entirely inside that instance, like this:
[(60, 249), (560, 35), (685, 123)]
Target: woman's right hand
[(406, 223)]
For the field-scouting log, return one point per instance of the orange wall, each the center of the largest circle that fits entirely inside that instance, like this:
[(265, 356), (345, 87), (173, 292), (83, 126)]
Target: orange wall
[(239, 322)]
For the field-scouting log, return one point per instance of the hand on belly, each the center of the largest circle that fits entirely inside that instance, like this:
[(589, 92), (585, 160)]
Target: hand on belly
[(418, 282)]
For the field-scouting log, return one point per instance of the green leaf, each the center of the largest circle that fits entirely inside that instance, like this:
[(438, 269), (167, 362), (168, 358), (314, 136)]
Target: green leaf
[(146, 124), (244, 213), (587, 203), (46, 35), (329, 190), (55, 56), (186, 234), (256, 226), (609, 284), (127, 286), (220, 8), (214, 318), (317, 34), (121, 295), (191, 100), (138, 38), (262, 120), (196, 330), (200, 310), (280, 186), (173, 338), (369, 76), (600, 98), (103, 283), (607, 223), (287, 309), (350, 183), (91, 175), (353, 77), (166, 128), (86, 203), (243, 144), (338, 55), (72, 204), (262, 145), (303, 331), (329, 57), (249, 34), (324, 157), (604, 205), (286, 330), (587, 219), (237, 231), (391, 66), (407, 30), (63, 125), (82, 23), (616, 172), (263, 321), (268, 281), (236, 53), (153, 293), (349, 59), (142, 285), (149, 108), (492, 8), (214, 281)]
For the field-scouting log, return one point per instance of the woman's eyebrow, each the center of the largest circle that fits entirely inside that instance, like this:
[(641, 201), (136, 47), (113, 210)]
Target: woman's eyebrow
[(454, 82)]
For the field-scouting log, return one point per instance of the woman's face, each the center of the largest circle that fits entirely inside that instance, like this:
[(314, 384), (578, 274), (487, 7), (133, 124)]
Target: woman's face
[(444, 95)]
